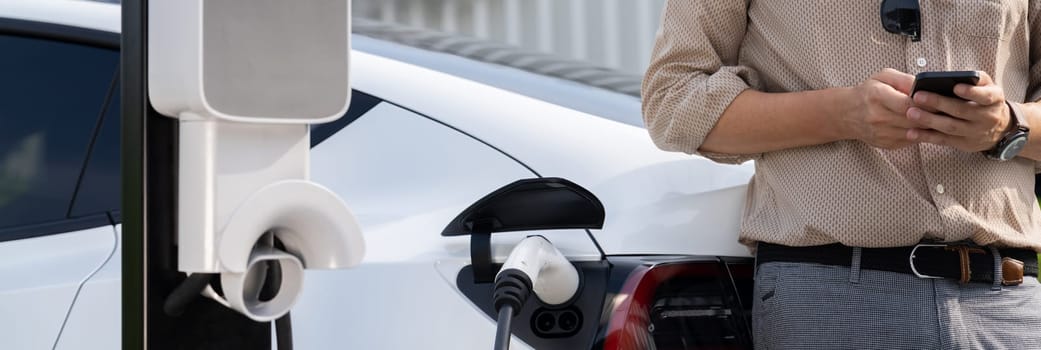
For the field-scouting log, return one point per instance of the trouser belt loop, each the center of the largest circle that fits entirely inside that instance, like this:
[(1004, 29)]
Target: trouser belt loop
[(755, 261), (854, 266), (998, 276), (965, 262)]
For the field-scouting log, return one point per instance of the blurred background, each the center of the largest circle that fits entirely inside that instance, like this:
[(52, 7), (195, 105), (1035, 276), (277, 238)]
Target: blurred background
[(616, 34)]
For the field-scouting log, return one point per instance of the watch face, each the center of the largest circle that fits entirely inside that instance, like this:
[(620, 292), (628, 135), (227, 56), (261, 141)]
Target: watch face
[(1014, 146)]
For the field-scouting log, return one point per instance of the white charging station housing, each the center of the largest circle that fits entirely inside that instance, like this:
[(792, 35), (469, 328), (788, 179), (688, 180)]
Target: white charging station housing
[(253, 61), (246, 78)]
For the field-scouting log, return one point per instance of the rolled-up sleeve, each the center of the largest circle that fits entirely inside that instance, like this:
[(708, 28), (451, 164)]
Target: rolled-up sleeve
[(1034, 20), (1034, 89), (694, 74)]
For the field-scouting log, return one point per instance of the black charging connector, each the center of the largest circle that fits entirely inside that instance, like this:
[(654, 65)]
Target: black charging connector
[(512, 288)]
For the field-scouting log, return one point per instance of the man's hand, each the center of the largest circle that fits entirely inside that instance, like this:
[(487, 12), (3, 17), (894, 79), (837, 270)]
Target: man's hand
[(972, 125), (878, 115)]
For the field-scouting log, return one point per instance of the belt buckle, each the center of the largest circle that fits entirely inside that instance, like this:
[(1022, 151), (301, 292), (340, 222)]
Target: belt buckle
[(911, 258)]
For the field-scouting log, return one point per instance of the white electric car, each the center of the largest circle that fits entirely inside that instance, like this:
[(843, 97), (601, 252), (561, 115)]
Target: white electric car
[(436, 123)]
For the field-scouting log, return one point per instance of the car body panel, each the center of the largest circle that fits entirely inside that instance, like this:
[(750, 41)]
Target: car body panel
[(656, 202), (92, 322), (42, 277)]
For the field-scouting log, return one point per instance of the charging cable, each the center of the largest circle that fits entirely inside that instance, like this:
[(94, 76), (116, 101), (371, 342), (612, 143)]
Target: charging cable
[(196, 284), (534, 265)]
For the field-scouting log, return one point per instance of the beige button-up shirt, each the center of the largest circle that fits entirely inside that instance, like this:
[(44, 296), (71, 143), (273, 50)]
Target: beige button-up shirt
[(709, 51)]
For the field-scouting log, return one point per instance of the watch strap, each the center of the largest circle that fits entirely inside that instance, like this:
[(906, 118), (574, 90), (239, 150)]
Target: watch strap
[(1016, 116), (1017, 128)]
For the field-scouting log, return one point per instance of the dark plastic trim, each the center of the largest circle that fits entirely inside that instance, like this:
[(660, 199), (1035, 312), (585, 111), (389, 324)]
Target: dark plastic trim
[(116, 217), (59, 32), (548, 203), (361, 103), (54, 227)]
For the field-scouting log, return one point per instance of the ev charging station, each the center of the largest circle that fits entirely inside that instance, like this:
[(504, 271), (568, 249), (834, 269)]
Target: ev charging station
[(220, 217), (227, 202)]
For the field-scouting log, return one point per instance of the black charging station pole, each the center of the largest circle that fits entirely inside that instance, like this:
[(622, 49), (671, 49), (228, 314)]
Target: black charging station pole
[(134, 103), (149, 212)]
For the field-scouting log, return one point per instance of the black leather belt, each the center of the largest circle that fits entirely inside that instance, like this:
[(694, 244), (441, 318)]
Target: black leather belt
[(926, 260)]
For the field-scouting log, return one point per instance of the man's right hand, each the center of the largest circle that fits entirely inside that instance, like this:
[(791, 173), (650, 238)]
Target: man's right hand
[(877, 113)]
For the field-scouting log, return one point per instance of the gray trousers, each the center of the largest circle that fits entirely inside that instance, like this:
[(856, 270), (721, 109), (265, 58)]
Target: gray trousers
[(812, 306)]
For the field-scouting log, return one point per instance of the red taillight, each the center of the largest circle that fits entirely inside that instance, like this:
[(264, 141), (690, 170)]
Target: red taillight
[(679, 305)]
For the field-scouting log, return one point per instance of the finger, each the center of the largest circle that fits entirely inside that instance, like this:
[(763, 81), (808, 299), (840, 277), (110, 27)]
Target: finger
[(925, 108), (952, 106), (892, 99), (984, 95), (985, 79), (900, 81), (902, 121), (942, 123)]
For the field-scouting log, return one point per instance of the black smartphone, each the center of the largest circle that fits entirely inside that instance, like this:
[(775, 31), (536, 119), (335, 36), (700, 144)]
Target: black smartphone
[(943, 82)]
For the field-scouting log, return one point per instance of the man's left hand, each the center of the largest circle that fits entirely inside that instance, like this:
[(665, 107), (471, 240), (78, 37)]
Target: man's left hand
[(972, 125)]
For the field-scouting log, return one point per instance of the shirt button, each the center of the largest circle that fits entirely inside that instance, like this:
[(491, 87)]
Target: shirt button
[(921, 62), (939, 188)]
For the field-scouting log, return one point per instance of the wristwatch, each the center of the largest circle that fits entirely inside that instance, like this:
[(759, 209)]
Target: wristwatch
[(1014, 139)]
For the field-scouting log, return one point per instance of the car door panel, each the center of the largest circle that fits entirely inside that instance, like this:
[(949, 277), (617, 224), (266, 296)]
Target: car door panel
[(94, 320), (39, 279)]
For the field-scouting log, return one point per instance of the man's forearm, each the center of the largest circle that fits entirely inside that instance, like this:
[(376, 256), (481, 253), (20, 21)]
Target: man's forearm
[(1033, 120), (757, 122)]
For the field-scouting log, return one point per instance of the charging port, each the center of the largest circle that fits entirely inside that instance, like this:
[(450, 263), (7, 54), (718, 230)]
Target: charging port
[(556, 323)]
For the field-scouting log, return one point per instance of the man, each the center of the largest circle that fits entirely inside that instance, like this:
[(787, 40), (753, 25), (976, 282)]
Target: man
[(853, 173)]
